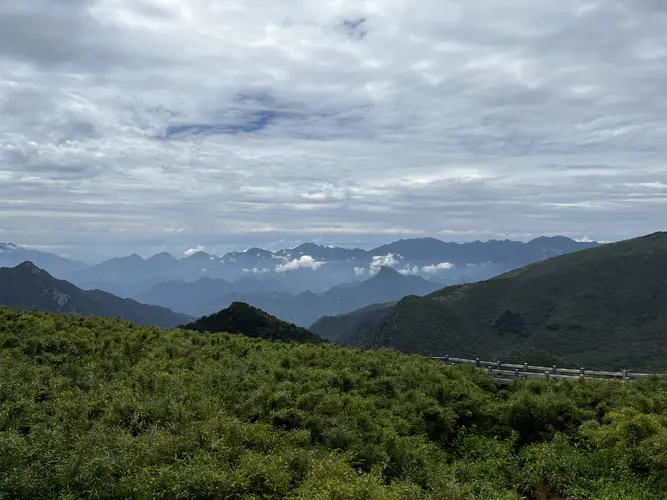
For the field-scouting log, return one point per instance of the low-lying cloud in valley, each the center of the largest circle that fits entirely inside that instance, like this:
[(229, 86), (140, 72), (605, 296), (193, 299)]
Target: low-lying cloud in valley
[(255, 270), (436, 268), (303, 262)]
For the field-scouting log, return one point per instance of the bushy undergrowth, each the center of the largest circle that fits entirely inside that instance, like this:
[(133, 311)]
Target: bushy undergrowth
[(101, 408)]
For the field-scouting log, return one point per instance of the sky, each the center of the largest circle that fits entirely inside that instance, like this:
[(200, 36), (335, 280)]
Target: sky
[(149, 125)]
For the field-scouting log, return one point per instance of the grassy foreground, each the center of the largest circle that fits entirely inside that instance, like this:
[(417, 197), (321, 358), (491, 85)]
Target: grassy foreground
[(101, 408)]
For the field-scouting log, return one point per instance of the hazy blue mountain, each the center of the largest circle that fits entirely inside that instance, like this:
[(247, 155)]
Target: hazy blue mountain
[(187, 297), (205, 296), (292, 270), (26, 286), (323, 253), (477, 252), (161, 262), (13, 255), (385, 286)]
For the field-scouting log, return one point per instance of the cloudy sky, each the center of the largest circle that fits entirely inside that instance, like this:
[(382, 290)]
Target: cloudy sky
[(142, 125)]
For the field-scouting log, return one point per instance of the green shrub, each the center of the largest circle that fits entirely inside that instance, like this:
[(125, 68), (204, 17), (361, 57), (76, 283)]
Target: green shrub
[(101, 408)]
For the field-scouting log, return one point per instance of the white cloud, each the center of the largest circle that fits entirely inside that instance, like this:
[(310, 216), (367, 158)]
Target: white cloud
[(255, 270), (378, 261), (120, 118), (193, 251), (303, 262), (408, 270), (443, 266), (653, 185), (359, 271)]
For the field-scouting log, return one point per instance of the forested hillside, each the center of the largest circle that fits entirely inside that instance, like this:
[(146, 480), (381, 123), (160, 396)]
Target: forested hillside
[(102, 408), (338, 328), (26, 286), (603, 307), (242, 318)]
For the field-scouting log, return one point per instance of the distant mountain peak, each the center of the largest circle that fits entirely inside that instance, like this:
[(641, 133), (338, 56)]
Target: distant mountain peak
[(308, 246), (162, 257), (386, 271), (258, 252), (199, 255), (30, 268), (130, 258), (163, 254)]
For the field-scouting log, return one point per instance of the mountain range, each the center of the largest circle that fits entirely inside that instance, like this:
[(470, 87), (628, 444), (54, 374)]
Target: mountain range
[(300, 284), (12, 255), (27, 287), (604, 306), (206, 296)]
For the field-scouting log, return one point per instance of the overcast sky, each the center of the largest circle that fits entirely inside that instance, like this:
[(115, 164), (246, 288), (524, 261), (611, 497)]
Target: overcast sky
[(142, 125)]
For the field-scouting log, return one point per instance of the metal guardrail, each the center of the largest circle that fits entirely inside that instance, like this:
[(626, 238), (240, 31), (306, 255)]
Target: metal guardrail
[(509, 372)]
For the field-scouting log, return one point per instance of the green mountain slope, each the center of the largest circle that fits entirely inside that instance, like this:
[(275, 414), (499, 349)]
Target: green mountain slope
[(338, 328), (97, 407), (602, 307), (27, 287), (252, 322)]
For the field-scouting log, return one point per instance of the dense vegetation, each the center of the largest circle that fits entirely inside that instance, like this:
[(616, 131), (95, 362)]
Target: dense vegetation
[(604, 307), (252, 322), (26, 286), (102, 408), (338, 328)]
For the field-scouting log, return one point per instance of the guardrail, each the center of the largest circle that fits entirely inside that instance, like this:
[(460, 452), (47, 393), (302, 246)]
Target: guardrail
[(509, 372)]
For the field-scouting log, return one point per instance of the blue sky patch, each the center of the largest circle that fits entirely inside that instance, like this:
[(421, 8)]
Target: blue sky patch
[(251, 122), (355, 28)]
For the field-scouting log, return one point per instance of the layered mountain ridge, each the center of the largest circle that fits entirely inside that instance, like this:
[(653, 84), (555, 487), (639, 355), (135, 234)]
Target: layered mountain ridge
[(299, 284), (605, 306), (307, 266), (28, 287)]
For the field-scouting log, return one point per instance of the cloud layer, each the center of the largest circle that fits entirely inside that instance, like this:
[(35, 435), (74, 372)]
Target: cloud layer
[(303, 262), (379, 261), (162, 123), (443, 266), (192, 251)]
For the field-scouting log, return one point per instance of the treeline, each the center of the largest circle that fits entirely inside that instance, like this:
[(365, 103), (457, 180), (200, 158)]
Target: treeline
[(102, 408)]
